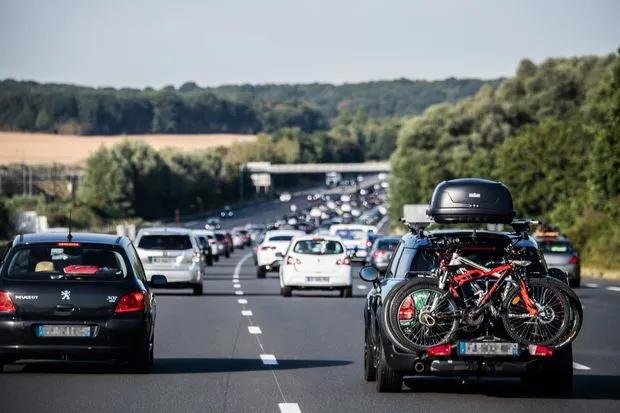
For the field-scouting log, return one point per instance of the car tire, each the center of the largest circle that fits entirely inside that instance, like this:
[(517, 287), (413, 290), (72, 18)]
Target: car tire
[(370, 368), (388, 379), (210, 262), (142, 359), (198, 290), (216, 258), (260, 272), (347, 292), (286, 291), (227, 254), (552, 377), (576, 283)]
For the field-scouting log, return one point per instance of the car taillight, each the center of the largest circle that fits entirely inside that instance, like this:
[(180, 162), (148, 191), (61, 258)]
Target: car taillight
[(6, 303), (541, 351), (131, 302), (443, 350), (380, 254), (574, 260), (406, 311), (344, 261), (369, 244)]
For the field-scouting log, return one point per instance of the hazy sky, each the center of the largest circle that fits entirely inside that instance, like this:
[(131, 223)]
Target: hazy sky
[(139, 43)]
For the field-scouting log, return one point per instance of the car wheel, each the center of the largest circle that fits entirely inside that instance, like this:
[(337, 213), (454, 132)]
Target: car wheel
[(198, 289), (286, 291), (370, 369), (260, 272), (552, 377), (142, 358), (388, 379), (227, 255), (210, 262), (216, 258), (347, 292)]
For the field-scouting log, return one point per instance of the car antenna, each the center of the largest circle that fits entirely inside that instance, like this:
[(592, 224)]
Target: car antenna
[(69, 236)]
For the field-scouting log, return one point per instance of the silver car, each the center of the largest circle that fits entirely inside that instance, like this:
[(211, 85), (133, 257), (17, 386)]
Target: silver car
[(559, 253)]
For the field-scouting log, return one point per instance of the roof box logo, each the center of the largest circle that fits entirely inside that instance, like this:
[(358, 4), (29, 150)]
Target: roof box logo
[(474, 195)]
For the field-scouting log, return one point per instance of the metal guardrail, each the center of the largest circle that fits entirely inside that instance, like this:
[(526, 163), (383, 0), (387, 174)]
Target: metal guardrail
[(359, 167)]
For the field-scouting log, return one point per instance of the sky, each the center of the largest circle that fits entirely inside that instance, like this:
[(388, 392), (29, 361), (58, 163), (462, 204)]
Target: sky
[(136, 43)]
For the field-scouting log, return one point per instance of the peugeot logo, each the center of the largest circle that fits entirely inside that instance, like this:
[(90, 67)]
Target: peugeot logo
[(65, 295)]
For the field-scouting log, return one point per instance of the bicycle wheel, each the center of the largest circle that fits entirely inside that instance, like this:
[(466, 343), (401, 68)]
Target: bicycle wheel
[(423, 316), (548, 325)]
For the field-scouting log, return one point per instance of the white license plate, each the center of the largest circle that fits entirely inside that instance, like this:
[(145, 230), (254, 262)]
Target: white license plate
[(162, 260), (63, 331), (490, 348), (317, 279)]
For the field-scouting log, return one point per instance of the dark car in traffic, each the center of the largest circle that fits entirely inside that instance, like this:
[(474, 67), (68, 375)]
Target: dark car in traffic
[(381, 252), (79, 297)]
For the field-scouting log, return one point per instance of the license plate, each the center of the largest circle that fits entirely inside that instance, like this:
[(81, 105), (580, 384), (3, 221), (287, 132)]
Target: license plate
[(162, 260), (317, 279), (63, 331), (481, 348)]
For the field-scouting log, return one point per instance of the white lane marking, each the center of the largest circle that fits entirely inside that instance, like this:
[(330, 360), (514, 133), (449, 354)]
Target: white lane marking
[(242, 301), (239, 292), (362, 287), (591, 285), (613, 288), (382, 222), (289, 408), (239, 264), (254, 330), (578, 366), (236, 285), (269, 359), (246, 313)]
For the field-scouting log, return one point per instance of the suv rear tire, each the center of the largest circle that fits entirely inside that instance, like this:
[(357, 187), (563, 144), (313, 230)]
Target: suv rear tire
[(370, 369), (286, 291), (260, 272), (388, 379)]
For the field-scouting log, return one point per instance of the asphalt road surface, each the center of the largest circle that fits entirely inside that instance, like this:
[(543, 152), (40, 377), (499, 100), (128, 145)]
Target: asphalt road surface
[(243, 348)]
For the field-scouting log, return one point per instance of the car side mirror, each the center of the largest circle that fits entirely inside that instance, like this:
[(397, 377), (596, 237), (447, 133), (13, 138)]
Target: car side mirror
[(279, 255), (558, 274), (369, 274), (159, 280)]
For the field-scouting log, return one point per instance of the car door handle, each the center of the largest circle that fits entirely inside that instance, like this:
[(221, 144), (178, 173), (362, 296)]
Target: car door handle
[(65, 307)]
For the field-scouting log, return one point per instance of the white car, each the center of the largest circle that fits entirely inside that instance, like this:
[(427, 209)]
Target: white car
[(270, 252), (173, 252), (355, 238), (319, 263), (210, 236)]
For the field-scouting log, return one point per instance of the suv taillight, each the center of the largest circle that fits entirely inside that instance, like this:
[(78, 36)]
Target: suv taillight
[(6, 303), (574, 260), (132, 302)]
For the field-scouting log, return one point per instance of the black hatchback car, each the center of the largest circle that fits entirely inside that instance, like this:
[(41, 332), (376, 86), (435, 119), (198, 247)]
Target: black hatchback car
[(80, 297)]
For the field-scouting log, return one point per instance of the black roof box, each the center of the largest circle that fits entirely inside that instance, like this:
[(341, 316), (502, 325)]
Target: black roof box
[(471, 200)]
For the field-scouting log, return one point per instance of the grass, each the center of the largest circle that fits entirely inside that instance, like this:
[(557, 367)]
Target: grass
[(43, 148)]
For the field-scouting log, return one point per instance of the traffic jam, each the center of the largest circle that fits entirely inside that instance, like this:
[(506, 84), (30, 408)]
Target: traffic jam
[(467, 289)]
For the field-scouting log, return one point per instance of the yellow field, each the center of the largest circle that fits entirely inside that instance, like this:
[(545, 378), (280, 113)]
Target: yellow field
[(42, 148)]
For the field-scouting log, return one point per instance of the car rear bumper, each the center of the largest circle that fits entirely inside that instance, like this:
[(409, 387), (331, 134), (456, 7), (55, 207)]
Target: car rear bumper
[(292, 278), (176, 276), (115, 339)]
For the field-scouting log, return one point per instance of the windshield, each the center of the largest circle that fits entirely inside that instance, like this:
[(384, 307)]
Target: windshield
[(165, 242), (555, 247), (318, 247), (387, 245), (351, 234), (45, 262)]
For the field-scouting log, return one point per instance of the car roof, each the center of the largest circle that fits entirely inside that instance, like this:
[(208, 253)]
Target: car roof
[(164, 231), (283, 232), (318, 237), (336, 227), (202, 232), (82, 237)]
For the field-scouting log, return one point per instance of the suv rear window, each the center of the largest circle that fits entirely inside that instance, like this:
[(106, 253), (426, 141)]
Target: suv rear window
[(389, 245), (165, 242), (555, 247), (351, 234), (281, 238), (52, 262), (318, 247)]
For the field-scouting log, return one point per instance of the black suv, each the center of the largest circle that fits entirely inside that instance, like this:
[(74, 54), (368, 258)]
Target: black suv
[(76, 297)]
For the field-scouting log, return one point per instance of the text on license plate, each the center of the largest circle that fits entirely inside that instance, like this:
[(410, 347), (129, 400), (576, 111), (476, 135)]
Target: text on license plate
[(317, 279), (475, 348), (162, 260), (63, 331)]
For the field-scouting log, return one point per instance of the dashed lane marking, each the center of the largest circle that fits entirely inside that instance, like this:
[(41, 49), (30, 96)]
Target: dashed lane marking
[(242, 301), (236, 285), (289, 408), (613, 288), (246, 313), (578, 366), (269, 359), (591, 285), (254, 330), (238, 292)]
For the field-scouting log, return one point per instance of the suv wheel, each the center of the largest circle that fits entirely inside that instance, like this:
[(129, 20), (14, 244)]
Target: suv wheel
[(553, 376), (388, 379), (260, 272), (286, 291), (370, 369)]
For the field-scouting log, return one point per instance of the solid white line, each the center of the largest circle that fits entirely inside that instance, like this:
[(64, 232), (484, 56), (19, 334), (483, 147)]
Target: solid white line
[(239, 292), (613, 288), (269, 359), (289, 408), (578, 366), (362, 287), (246, 313), (254, 330), (239, 264), (242, 301), (591, 285), (236, 285)]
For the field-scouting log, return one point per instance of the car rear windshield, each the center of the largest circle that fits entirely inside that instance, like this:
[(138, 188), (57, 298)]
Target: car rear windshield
[(56, 262), (219, 237), (165, 242), (281, 238), (350, 234), (555, 247), (318, 247), (387, 245)]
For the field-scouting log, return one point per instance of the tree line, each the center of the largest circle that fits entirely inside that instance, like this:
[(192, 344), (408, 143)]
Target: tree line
[(551, 133)]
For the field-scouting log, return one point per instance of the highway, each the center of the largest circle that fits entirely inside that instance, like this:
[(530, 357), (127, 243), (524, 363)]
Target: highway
[(243, 348)]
